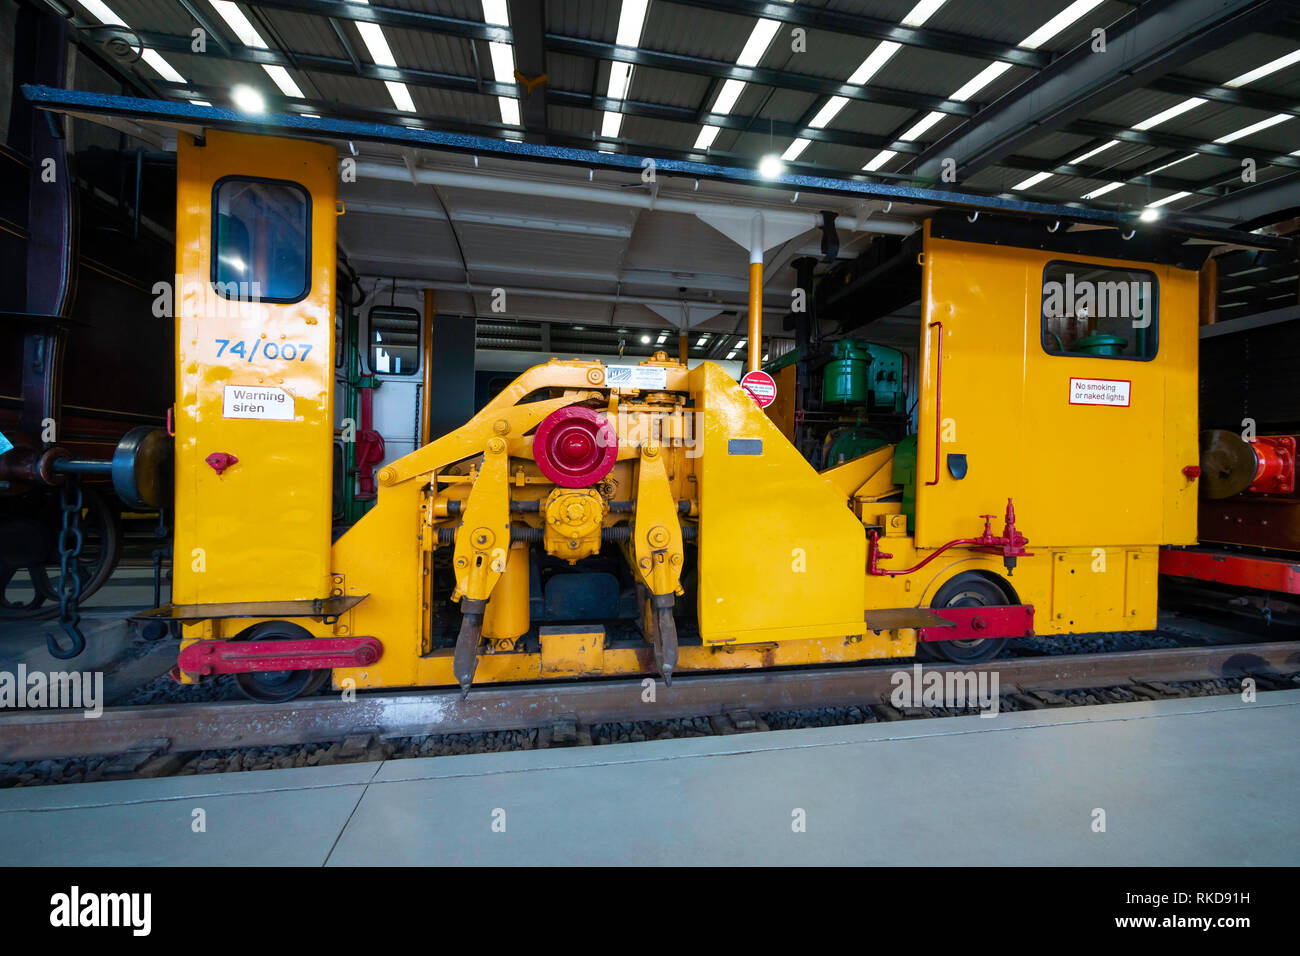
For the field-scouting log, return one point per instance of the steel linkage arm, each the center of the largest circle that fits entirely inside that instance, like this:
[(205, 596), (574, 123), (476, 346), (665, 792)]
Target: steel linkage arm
[(657, 551), (479, 558)]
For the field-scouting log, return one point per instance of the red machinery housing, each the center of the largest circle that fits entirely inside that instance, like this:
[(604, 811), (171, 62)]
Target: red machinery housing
[(1249, 516), (575, 447)]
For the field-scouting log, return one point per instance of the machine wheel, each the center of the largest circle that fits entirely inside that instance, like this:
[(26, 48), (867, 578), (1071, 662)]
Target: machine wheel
[(276, 687), (966, 590), (101, 531)]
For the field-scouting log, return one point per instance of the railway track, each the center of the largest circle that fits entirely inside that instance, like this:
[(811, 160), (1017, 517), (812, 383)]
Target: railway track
[(138, 734)]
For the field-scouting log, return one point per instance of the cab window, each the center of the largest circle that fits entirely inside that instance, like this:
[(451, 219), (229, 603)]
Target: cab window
[(261, 240), (394, 340), (1098, 312)]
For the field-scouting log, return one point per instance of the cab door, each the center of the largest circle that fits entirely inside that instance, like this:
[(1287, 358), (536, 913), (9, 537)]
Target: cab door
[(254, 307), (1079, 406)]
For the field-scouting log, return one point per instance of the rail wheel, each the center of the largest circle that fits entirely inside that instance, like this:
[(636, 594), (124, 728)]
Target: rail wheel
[(23, 606), (25, 540), (276, 687), (966, 590)]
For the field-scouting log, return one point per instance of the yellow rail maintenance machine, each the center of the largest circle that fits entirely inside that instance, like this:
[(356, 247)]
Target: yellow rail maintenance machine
[(1054, 453)]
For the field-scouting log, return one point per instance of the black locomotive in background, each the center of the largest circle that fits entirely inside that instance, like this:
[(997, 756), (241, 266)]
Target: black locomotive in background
[(86, 233)]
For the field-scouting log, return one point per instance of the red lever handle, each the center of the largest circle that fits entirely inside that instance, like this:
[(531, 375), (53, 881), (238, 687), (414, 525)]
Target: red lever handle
[(221, 460)]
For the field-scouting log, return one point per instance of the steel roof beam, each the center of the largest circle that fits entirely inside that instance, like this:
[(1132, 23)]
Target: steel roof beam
[(1138, 176), (1149, 137), (468, 84), (1252, 99), (795, 14), (763, 76), (1143, 45), (192, 8), (833, 21), (527, 23), (551, 135), (167, 42), (346, 43), (1279, 198), (857, 190), (417, 20), (692, 117)]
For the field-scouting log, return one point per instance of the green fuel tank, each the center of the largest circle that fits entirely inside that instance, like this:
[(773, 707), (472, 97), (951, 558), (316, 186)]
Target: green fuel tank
[(844, 379)]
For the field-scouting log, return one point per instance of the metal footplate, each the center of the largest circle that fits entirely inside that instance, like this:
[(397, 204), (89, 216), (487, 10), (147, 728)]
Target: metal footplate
[(327, 609)]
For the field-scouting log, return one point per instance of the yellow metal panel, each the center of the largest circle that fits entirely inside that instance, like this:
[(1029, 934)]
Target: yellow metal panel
[(261, 530), (1079, 474), (1088, 591), (781, 411), (572, 651), (507, 616), (868, 475), (435, 669), (1142, 570), (780, 554)]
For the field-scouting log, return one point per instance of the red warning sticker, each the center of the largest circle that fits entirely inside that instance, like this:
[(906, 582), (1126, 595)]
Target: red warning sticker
[(761, 387)]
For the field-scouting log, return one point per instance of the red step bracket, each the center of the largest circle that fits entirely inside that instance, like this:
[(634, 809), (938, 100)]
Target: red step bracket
[(973, 623), (246, 657)]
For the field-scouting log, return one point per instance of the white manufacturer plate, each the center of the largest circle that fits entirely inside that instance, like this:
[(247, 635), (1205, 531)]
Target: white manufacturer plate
[(636, 376), (256, 401), (1099, 391)]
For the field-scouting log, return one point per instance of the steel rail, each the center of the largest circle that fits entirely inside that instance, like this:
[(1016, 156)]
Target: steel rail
[(179, 728)]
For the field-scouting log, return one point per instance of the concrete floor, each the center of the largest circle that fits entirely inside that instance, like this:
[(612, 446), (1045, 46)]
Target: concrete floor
[(1182, 782)]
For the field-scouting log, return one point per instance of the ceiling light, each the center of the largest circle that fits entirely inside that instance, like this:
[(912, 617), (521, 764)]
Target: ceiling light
[(1178, 109), (990, 73), (380, 52), (1058, 23), (707, 135), (770, 166), (1093, 152), (645, 340), (247, 99), (1172, 197), (1032, 181), (631, 20), (757, 43), (1254, 128), (882, 157), (755, 46), (793, 151), (1270, 67), (1149, 215), (496, 12), (1102, 190)]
